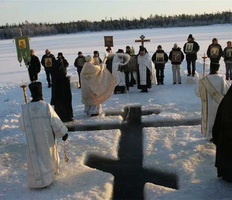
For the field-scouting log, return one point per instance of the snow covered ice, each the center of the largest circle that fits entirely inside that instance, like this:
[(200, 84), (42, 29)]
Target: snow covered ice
[(179, 149)]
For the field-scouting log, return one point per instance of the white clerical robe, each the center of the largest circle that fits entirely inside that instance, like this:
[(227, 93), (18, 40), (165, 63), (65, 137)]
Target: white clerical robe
[(145, 62), (120, 59), (211, 89), (42, 125), (97, 86)]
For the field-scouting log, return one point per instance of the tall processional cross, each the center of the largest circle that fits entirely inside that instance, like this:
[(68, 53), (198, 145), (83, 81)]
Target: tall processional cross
[(142, 40)]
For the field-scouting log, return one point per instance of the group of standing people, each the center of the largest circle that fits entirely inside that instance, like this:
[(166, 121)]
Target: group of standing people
[(116, 73), (57, 79)]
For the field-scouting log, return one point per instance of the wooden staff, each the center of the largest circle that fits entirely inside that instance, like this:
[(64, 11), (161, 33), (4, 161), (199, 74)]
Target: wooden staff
[(23, 86), (204, 58)]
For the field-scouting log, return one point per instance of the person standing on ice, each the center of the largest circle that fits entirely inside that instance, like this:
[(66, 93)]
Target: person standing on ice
[(146, 70), (214, 51), (160, 58), (227, 54), (176, 56), (42, 126), (211, 90), (34, 67), (222, 137), (118, 70), (79, 63), (97, 86), (190, 49), (48, 61)]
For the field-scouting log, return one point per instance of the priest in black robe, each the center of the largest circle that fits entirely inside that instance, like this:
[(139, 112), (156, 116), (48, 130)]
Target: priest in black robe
[(222, 137), (61, 91)]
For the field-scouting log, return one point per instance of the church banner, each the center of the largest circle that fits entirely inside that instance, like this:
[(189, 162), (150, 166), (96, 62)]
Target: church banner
[(23, 49), (108, 41)]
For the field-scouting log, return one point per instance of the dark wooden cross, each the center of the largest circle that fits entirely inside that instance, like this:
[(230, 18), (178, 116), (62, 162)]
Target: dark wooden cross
[(142, 40), (128, 171)]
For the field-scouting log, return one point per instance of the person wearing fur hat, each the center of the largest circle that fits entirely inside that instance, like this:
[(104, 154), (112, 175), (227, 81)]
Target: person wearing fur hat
[(61, 91), (42, 126), (176, 56), (48, 61), (160, 58), (214, 51), (34, 67), (190, 49), (211, 89)]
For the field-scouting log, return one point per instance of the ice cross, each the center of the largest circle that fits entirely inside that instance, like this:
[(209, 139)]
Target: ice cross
[(128, 171), (142, 40)]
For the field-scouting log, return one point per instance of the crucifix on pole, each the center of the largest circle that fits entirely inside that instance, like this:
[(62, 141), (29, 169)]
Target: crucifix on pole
[(142, 40)]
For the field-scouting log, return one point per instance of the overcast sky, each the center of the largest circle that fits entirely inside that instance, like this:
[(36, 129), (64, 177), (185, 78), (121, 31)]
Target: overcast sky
[(17, 11)]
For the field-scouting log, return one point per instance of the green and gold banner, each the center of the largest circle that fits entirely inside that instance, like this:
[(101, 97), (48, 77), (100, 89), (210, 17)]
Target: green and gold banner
[(23, 49)]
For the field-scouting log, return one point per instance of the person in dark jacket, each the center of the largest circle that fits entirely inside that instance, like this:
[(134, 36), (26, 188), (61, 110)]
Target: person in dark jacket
[(190, 49), (48, 61), (227, 54), (34, 67), (61, 91), (79, 63), (222, 137), (160, 58), (176, 56), (214, 51)]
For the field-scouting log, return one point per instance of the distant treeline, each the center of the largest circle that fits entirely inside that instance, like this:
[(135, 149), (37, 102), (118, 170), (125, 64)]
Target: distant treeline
[(153, 21)]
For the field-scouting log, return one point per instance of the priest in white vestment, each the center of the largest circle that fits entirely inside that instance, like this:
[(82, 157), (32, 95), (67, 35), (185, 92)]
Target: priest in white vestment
[(212, 88), (42, 126), (146, 70), (119, 61), (97, 86)]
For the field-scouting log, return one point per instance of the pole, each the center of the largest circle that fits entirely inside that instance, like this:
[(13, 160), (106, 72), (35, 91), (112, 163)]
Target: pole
[(204, 58), (23, 86)]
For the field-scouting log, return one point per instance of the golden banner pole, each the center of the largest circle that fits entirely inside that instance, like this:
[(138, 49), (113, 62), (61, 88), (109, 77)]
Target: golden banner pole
[(23, 86)]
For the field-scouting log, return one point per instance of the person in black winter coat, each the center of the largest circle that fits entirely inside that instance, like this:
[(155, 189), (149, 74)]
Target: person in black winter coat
[(160, 58), (61, 91), (34, 67), (48, 61), (176, 56), (190, 49), (227, 54), (214, 51)]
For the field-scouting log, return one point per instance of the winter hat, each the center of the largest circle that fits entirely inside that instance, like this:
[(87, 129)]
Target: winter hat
[(190, 36), (159, 47), (36, 91), (120, 51), (60, 54), (214, 67), (79, 53)]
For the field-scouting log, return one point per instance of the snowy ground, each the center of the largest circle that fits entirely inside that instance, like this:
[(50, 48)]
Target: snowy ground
[(179, 149)]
